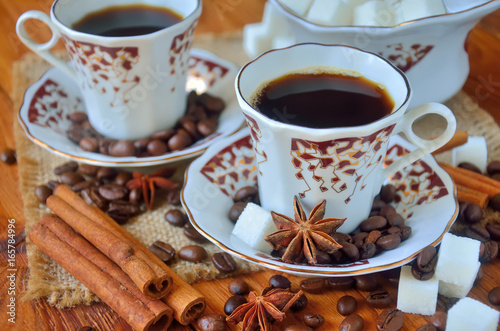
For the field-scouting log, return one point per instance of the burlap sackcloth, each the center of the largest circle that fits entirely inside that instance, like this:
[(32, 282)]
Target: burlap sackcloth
[(47, 279)]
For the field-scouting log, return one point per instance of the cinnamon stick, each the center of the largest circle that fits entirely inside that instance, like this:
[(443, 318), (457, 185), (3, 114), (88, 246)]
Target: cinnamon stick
[(186, 302), (149, 278), (100, 275), (472, 180), (465, 194), (458, 139)]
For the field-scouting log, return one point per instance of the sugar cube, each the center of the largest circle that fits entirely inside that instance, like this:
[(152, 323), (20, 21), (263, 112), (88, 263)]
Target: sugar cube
[(414, 9), (330, 12), (474, 151), (457, 259), (299, 7), (373, 13), (459, 291), (253, 225), (469, 314), (255, 39), (416, 296)]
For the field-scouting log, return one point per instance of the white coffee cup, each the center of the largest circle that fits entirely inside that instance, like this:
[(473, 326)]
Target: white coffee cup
[(348, 184), (133, 85)]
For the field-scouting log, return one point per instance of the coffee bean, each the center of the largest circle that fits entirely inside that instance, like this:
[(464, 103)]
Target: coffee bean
[(71, 178), (247, 193), (347, 305), (211, 103), (388, 193), (469, 166), (477, 232), (419, 274), (70, 166), (89, 144), (439, 320), (298, 327), (233, 302), (112, 191), (206, 126), (395, 219), (350, 251), (85, 184), (199, 114), (366, 282), (391, 319), (493, 168), (106, 173), (340, 283), (105, 145), (77, 117), (427, 259), (122, 178), (313, 285), (157, 147), (75, 133), (323, 258), (493, 230), (176, 217), (405, 232), (490, 251), (341, 237), (212, 322), (123, 208), (427, 327), (379, 299), (193, 253), (495, 202), (191, 233), (42, 192), (174, 197), (8, 156), (373, 236), (52, 184), (300, 304), (180, 140), (359, 238), (473, 214), (353, 322), (373, 223), (190, 127), (236, 210), (279, 281), (238, 287), (122, 148), (389, 241), (88, 169), (367, 250), (496, 176), (163, 251), (163, 134), (313, 320), (135, 195), (494, 296), (224, 262)]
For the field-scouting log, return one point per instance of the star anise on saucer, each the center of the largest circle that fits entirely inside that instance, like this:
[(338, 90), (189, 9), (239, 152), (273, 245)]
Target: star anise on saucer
[(304, 234), (261, 310), (148, 184)]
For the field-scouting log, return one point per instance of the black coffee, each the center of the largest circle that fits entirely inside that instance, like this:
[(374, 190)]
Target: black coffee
[(122, 21), (323, 100)]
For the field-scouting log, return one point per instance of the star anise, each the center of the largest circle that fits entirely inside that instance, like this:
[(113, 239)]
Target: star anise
[(261, 310), (304, 234), (148, 184)]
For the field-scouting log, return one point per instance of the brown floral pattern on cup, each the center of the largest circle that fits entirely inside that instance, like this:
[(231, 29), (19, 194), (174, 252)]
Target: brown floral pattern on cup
[(406, 58)]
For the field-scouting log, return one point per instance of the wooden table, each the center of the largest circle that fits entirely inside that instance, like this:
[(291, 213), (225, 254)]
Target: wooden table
[(218, 15)]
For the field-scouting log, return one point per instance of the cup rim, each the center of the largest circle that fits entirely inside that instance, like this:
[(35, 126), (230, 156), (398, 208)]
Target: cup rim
[(389, 27), (393, 113), (195, 12)]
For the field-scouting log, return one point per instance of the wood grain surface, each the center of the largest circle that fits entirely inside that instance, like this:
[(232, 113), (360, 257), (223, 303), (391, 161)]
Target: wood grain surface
[(218, 16)]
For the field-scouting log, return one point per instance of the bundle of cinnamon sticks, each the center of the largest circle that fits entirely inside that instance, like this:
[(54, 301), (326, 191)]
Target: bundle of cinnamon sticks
[(114, 265)]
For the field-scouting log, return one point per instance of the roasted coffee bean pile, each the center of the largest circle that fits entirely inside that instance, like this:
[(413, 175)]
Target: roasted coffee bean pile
[(200, 121), (103, 187), (384, 230)]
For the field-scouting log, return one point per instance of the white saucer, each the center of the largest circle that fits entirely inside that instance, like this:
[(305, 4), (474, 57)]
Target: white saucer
[(428, 199), (54, 96)]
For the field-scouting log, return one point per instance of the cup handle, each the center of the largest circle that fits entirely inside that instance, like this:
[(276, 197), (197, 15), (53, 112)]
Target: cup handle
[(43, 49), (423, 146)]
